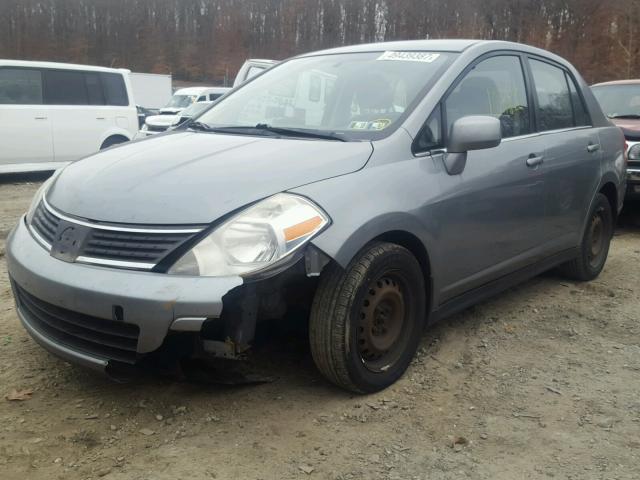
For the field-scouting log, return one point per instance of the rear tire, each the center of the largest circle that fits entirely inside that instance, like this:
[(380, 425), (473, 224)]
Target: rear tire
[(367, 320), (594, 247)]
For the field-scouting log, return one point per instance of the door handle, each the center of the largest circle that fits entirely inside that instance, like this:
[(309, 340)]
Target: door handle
[(593, 147), (99, 118), (41, 118), (534, 161)]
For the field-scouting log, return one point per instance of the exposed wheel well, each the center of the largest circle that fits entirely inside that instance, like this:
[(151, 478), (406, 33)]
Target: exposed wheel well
[(416, 247), (609, 191), (113, 140)]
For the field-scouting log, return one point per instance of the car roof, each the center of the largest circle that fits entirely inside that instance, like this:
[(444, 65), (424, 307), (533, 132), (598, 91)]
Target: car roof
[(618, 82), (200, 90), (440, 45), (59, 66)]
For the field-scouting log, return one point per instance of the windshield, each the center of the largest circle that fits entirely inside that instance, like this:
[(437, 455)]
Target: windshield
[(195, 109), (619, 100), (357, 95), (181, 101)]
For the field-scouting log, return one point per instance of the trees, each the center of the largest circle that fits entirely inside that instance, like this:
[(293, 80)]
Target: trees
[(209, 39)]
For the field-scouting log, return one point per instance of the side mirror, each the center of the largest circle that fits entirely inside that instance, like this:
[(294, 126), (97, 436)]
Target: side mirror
[(476, 132)]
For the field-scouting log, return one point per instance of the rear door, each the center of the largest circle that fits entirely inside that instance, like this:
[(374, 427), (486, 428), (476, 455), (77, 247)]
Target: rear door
[(76, 124), (491, 216), (25, 126), (572, 152)]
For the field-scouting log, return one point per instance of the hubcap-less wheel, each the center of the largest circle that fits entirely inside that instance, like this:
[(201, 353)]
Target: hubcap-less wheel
[(367, 318), (380, 336), (597, 233)]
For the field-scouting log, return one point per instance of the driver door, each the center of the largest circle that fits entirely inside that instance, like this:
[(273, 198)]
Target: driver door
[(491, 216)]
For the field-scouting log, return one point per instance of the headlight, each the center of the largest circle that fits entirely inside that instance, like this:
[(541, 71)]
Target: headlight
[(255, 239), (634, 152), (39, 194)]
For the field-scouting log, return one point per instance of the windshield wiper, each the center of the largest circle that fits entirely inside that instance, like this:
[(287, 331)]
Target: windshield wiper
[(625, 115), (200, 126), (297, 132), (263, 129)]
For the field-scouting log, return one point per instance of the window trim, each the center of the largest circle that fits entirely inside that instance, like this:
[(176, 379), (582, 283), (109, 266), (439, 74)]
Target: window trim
[(568, 76), (532, 98), (442, 102), (39, 70)]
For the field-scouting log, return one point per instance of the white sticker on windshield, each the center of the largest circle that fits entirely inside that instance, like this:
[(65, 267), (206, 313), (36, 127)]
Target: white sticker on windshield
[(425, 57)]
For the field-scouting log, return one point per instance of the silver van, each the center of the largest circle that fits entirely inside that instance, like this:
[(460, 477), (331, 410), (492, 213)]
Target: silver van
[(379, 188)]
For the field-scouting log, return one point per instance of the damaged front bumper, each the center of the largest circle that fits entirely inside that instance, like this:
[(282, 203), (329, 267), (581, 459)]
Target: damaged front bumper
[(94, 316)]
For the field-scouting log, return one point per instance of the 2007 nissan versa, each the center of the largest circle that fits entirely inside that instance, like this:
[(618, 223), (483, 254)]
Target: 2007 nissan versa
[(381, 187)]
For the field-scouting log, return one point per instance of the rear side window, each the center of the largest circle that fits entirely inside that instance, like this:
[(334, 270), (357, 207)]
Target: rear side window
[(64, 87), (94, 88), (494, 87), (579, 110), (554, 101), (20, 86), (114, 89)]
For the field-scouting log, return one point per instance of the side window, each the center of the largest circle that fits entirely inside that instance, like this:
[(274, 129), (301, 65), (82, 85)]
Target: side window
[(94, 88), (494, 87), (430, 136), (554, 102), (201, 98), (579, 110), (64, 87), (114, 89), (20, 86), (214, 96)]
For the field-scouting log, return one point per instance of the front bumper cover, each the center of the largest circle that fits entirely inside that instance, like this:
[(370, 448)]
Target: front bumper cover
[(152, 301)]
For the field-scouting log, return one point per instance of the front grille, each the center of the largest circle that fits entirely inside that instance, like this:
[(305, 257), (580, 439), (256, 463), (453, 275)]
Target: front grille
[(131, 246), (156, 128), (45, 223), (95, 336), (104, 245)]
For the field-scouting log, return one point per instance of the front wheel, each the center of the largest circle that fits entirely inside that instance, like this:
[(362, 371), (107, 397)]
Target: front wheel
[(366, 320), (594, 247)]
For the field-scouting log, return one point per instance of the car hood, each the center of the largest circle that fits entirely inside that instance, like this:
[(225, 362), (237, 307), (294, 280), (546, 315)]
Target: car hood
[(161, 120), (195, 178), (630, 127)]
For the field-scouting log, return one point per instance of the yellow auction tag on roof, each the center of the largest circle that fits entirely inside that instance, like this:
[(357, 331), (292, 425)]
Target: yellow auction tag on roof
[(426, 57)]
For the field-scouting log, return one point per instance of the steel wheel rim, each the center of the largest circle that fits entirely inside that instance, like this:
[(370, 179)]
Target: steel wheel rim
[(383, 320), (597, 233)]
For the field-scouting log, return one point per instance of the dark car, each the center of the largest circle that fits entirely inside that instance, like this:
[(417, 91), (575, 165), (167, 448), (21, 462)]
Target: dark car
[(620, 101)]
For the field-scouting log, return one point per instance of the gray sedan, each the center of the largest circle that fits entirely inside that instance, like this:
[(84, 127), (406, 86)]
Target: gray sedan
[(379, 188)]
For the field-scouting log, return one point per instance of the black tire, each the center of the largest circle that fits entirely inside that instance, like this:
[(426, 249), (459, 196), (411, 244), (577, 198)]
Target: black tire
[(115, 140), (594, 247), (360, 359)]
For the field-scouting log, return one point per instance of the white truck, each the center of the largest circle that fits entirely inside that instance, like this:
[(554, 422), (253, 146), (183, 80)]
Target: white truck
[(151, 90)]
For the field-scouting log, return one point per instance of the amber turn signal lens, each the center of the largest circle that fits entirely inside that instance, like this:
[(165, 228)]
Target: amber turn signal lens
[(301, 229)]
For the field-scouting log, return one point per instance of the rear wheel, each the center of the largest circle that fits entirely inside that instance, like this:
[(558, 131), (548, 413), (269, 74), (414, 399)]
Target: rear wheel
[(366, 321), (594, 247)]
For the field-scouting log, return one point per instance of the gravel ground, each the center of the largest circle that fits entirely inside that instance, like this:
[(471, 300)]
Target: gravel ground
[(541, 382)]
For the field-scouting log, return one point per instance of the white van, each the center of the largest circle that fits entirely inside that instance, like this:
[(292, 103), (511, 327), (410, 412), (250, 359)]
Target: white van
[(184, 97), (54, 113), (251, 68)]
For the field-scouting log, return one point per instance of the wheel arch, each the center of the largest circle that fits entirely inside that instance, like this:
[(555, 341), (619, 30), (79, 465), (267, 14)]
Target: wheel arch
[(416, 247), (114, 132), (610, 191)]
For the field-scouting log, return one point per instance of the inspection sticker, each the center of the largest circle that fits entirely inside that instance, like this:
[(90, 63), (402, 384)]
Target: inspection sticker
[(425, 57)]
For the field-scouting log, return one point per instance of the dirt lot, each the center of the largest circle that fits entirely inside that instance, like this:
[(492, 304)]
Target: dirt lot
[(541, 382)]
